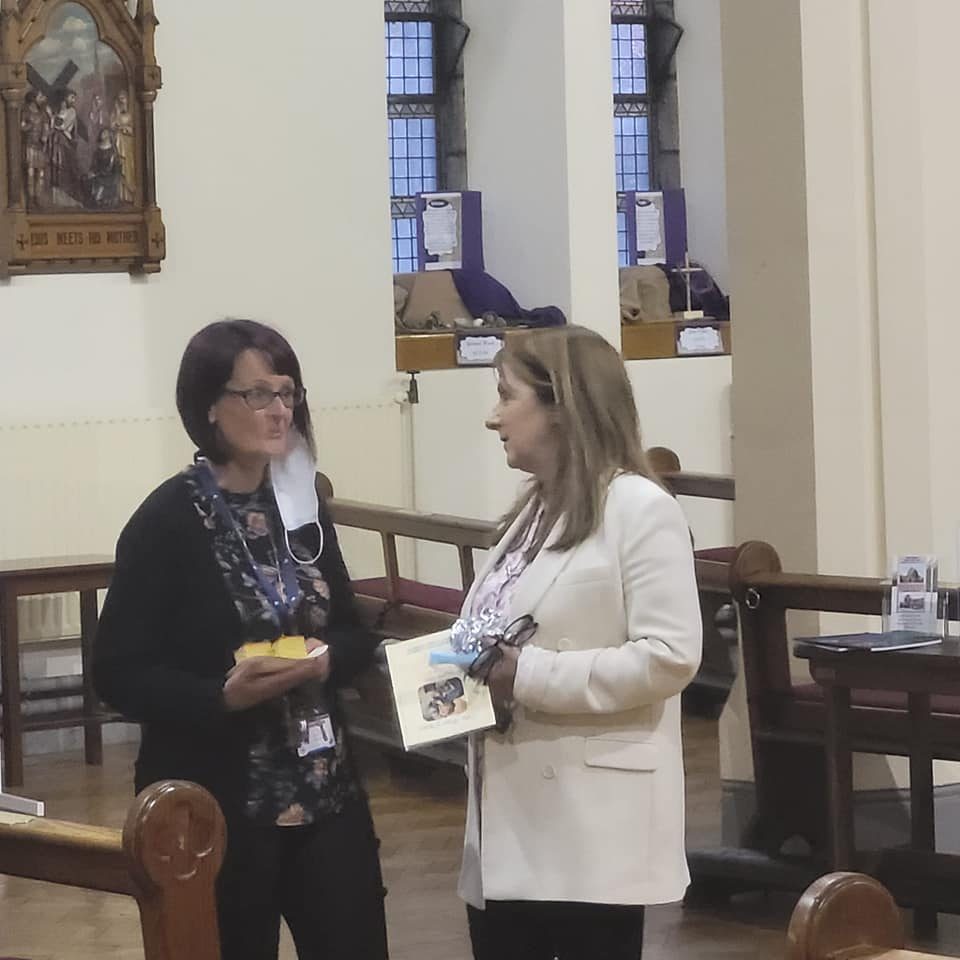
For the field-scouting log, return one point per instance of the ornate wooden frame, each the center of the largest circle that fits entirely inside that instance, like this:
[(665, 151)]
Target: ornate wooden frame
[(129, 236)]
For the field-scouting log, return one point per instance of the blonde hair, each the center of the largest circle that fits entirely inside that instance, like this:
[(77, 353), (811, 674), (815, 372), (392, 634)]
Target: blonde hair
[(581, 377)]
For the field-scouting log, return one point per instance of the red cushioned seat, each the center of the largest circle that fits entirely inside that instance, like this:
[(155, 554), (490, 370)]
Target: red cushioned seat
[(883, 699), (426, 595)]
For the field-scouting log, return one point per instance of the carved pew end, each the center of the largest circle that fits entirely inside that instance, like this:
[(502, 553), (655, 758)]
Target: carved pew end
[(167, 858), (844, 914), (174, 840)]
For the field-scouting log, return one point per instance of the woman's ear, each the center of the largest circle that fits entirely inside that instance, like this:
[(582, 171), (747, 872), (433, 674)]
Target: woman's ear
[(212, 414)]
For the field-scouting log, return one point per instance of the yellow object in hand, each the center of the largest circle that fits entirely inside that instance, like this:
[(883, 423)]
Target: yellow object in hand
[(290, 648)]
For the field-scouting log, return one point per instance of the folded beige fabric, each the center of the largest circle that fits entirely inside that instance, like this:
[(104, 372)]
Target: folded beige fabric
[(432, 302), (644, 294)]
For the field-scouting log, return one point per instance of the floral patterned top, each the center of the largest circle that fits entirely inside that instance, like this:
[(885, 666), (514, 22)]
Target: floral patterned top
[(495, 592), (284, 788)]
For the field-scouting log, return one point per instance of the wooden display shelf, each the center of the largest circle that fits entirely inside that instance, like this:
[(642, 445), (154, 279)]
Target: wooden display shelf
[(659, 340), (643, 341), (426, 351), (438, 351)]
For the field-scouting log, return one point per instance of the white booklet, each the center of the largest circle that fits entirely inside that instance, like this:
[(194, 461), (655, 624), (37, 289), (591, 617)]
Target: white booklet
[(434, 702)]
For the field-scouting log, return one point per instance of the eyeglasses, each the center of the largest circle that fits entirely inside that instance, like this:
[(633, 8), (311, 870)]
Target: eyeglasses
[(259, 398), (515, 634)]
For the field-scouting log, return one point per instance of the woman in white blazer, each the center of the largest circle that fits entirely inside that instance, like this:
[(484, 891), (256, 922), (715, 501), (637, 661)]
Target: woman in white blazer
[(575, 813)]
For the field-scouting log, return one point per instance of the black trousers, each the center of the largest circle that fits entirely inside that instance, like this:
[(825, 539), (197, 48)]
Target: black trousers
[(323, 879), (542, 930)]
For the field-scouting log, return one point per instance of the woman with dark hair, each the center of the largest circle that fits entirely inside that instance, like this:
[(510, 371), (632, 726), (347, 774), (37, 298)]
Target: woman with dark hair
[(587, 625), (221, 561)]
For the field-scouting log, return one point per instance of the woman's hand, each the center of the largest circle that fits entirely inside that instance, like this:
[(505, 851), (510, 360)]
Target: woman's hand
[(502, 675), (259, 679)]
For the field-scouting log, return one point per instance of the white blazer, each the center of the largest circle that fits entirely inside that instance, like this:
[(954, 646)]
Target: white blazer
[(582, 799)]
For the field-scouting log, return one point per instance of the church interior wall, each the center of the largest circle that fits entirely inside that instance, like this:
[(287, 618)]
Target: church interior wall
[(274, 199)]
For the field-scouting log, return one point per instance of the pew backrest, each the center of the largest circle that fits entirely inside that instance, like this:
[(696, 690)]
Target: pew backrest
[(468, 535), (393, 522), (166, 857), (765, 593)]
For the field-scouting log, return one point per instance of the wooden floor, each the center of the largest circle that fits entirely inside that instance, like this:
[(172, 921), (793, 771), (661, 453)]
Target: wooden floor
[(420, 822)]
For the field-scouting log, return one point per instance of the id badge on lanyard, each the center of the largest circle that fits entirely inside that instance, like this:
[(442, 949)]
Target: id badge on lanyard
[(316, 734)]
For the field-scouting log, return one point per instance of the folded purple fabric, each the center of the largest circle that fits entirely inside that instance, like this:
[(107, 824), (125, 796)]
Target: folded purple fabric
[(482, 293)]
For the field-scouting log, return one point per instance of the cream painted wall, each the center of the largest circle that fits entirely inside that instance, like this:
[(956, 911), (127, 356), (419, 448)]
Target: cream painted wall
[(940, 204), (540, 144), (842, 204), (845, 387), (917, 207), (275, 204), (685, 405), (515, 128), (540, 148), (702, 156), (766, 221), (254, 229), (275, 207)]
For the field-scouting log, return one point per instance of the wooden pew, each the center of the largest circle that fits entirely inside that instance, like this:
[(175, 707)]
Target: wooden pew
[(400, 608), (166, 857), (846, 915), (787, 720), (684, 483)]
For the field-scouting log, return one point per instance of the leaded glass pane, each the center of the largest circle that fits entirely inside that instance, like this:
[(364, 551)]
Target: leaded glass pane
[(632, 148), (404, 244), (629, 54), (413, 155), (409, 49), (622, 238)]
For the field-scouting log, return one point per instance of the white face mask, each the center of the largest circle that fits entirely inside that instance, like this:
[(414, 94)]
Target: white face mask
[(294, 488)]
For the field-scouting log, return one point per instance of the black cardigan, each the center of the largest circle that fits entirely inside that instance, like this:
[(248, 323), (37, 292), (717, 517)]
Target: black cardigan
[(166, 638)]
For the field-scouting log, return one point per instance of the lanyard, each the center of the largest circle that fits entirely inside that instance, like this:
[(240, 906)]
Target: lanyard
[(283, 604)]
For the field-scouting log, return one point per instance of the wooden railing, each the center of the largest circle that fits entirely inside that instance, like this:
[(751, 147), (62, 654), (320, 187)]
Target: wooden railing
[(467, 535), (683, 483), (166, 857), (392, 522), (385, 603), (708, 486)]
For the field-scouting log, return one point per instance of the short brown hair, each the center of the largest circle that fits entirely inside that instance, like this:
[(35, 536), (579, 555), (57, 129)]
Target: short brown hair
[(582, 377), (207, 366)]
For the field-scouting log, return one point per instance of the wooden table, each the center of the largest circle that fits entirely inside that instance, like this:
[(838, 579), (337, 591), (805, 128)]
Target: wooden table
[(918, 673), (25, 578)]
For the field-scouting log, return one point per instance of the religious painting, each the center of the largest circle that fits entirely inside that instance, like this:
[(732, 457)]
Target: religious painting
[(78, 139), (80, 82)]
